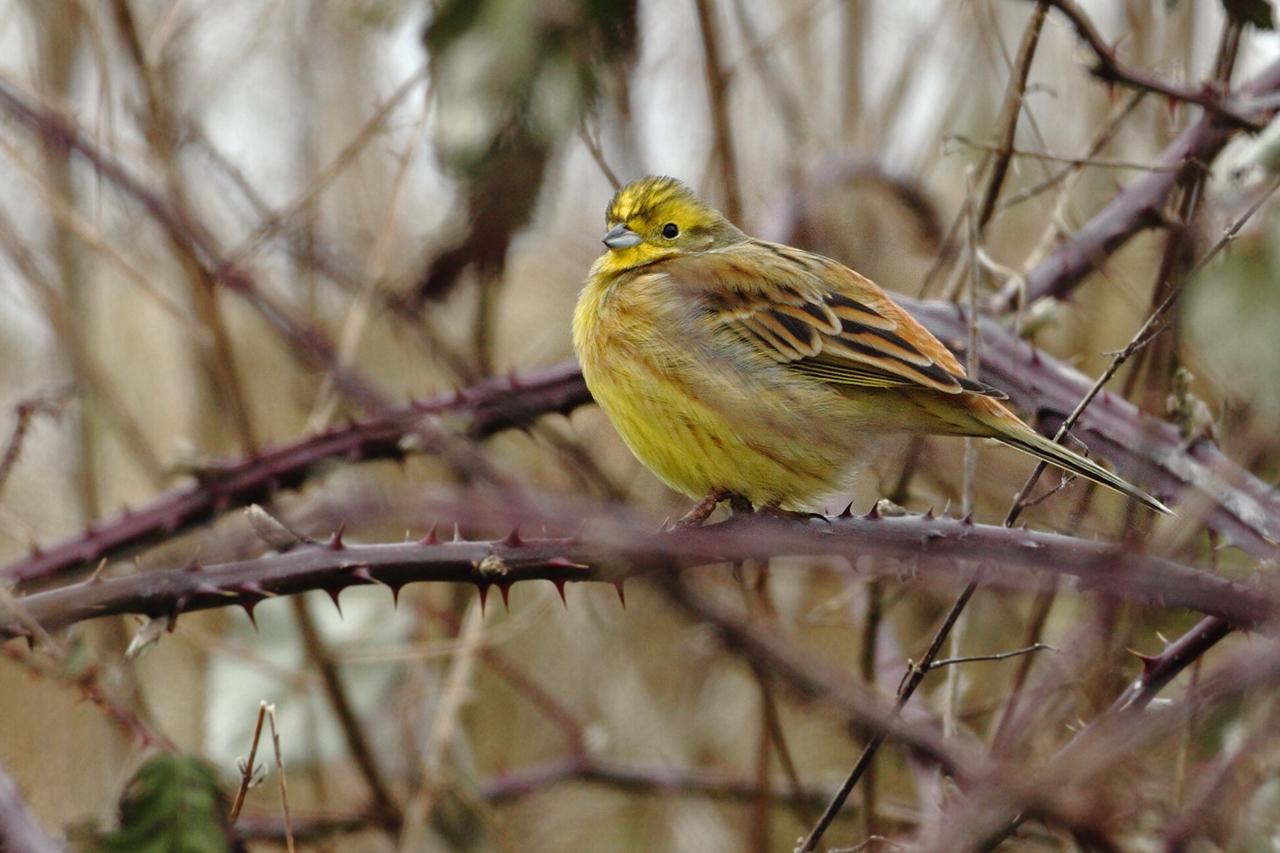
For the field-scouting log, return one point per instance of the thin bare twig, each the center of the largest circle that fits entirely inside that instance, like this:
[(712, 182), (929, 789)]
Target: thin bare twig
[(592, 144), (453, 695), (1099, 142), (384, 802), (1008, 122), (284, 787), (162, 132), (717, 94), (248, 774), (1097, 162), (23, 414), (1034, 647)]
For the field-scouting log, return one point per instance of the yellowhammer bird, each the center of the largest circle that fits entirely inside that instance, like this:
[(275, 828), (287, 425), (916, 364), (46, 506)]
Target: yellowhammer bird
[(736, 367)]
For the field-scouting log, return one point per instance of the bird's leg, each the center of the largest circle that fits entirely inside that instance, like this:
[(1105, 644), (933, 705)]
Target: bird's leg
[(703, 509), (740, 505)]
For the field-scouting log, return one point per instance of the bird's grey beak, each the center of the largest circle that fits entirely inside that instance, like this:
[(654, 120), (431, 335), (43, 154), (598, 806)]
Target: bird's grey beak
[(621, 237)]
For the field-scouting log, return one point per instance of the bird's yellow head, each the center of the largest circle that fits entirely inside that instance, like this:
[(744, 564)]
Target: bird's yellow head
[(656, 218)]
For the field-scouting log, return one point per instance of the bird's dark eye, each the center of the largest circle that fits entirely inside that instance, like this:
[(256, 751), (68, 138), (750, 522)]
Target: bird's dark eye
[(670, 230)]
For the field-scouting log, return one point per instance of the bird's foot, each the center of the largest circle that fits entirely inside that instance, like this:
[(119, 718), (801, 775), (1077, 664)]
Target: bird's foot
[(703, 509)]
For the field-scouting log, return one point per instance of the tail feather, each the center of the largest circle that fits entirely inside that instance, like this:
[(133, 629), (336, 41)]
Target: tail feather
[(1055, 454)]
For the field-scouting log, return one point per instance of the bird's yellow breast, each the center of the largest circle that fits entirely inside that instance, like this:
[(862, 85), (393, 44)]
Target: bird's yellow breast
[(696, 428)]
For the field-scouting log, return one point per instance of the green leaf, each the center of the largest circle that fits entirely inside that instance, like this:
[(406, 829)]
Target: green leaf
[(1256, 12), (172, 805)]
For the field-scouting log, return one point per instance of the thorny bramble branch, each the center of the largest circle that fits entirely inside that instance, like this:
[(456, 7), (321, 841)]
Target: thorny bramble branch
[(929, 546)]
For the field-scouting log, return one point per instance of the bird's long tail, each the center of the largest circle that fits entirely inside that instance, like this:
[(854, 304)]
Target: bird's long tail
[(1029, 441)]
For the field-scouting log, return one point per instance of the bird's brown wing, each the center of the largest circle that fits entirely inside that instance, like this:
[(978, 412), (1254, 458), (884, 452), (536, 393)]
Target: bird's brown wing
[(820, 318)]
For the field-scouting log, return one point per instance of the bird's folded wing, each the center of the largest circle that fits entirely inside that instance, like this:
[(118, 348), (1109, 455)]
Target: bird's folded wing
[(820, 318)]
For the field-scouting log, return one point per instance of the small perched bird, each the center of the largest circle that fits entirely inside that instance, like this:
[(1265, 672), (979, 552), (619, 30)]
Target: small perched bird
[(735, 368)]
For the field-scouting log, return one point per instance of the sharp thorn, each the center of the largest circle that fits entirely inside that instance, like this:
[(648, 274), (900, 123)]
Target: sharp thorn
[(873, 513), (622, 593), (559, 585), (482, 587), (1148, 661), (457, 534), (335, 544), (255, 588), (512, 539), (847, 512), (333, 596), (179, 605), (565, 563), (432, 537), (248, 605), (505, 590)]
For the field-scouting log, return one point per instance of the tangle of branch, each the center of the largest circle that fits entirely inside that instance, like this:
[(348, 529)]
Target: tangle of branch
[(1137, 207), (478, 411), (1110, 69)]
